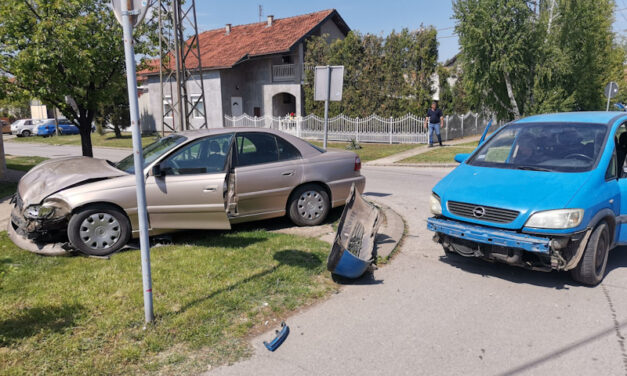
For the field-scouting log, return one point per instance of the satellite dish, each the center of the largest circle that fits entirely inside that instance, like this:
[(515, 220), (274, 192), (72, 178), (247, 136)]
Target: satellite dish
[(133, 5)]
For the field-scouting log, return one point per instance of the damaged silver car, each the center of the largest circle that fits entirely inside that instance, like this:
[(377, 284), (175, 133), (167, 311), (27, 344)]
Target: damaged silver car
[(205, 179)]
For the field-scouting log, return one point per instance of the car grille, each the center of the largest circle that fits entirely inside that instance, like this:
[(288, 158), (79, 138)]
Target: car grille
[(484, 213)]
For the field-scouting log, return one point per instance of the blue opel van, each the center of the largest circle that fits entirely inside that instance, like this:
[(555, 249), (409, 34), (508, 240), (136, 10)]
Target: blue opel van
[(547, 192)]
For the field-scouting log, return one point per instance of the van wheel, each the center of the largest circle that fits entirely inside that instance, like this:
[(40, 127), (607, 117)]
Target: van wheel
[(25, 133), (591, 267), (99, 230), (309, 205)]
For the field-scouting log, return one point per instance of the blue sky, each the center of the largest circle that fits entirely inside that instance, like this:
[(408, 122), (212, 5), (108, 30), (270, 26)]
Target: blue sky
[(367, 16)]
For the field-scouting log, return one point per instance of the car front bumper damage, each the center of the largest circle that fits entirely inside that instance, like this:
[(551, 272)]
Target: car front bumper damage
[(555, 252), (41, 236)]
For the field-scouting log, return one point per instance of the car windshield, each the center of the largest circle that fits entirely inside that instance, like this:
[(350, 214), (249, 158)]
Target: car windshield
[(151, 152), (563, 147)]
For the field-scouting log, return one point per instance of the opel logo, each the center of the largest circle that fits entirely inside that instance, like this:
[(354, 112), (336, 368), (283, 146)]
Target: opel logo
[(478, 212)]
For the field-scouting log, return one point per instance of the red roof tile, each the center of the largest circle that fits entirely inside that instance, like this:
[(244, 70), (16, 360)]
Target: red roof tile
[(219, 50)]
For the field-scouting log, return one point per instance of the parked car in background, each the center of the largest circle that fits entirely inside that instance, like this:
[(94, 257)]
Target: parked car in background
[(48, 128), (24, 127), (6, 127), (204, 179), (547, 192)]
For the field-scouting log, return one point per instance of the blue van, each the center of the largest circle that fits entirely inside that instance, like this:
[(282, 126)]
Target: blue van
[(547, 192)]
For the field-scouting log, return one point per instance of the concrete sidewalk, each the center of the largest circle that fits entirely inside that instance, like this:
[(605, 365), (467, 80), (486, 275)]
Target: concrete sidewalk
[(393, 159), (11, 176)]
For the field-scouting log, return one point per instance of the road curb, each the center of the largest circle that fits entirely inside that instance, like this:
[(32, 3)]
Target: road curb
[(424, 165)]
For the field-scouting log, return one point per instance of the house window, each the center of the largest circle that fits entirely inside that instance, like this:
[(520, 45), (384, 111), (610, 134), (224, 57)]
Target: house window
[(256, 111), (287, 59), (199, 106), (167, 107)]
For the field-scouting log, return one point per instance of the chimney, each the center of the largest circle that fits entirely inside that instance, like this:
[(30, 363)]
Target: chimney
[(228, 29), (270, 20)]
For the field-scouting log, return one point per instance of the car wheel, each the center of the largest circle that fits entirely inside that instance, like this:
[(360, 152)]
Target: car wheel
[(99, 230), (591, 267), (309, 205), (25, 133)]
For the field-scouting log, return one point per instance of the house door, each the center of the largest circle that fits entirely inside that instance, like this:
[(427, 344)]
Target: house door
[(237, 106)]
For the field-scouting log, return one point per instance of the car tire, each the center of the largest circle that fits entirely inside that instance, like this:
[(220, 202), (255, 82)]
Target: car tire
[(26, 133), (99, 230), (309, 205), (591, 267)]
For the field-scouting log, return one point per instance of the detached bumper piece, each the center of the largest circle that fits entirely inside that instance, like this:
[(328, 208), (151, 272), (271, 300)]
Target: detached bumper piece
[(353, 249), (490, 236), (279, 339)]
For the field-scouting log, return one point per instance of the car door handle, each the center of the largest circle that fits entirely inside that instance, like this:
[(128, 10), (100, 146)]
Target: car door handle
[(288, 173), (209, 189)]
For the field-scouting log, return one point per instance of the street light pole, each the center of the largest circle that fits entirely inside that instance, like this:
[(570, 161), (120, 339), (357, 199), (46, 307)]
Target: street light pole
[(131, 81)]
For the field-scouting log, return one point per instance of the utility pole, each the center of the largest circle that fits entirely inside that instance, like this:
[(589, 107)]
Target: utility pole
[(260, 12)]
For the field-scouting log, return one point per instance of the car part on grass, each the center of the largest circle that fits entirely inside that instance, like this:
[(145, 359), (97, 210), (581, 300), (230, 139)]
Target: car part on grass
[(353, 250), (279, 339)]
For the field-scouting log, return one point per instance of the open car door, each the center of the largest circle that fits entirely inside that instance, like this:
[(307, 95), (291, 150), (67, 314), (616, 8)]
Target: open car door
[(188, 189)]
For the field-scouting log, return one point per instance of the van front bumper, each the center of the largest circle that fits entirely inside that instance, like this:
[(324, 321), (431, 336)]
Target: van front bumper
[(561, 252)]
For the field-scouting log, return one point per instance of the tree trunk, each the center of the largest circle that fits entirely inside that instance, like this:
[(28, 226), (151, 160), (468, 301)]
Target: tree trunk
[(510, 94), (118, 132), (85, 132)]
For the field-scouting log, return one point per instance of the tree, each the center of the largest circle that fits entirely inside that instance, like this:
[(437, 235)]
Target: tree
[(56, 50), (522, 57), (390, 76)]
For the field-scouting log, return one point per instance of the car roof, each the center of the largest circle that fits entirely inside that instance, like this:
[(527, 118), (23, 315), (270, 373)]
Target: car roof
[(305, 148), (592, 117)]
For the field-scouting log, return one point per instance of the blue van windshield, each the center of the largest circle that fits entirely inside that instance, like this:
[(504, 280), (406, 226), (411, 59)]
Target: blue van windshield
[(563, 147)]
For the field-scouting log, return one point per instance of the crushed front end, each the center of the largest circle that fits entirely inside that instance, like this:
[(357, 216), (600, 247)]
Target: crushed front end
[(537, 252), (39, 228)]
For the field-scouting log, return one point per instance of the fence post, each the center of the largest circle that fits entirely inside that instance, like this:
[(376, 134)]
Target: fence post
[(391, 129), (357, 130), (299, 125), (476, 122), (446, 133), (462, 126)]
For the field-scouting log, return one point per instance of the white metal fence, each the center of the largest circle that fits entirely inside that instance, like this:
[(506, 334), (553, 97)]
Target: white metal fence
[(406, 129)]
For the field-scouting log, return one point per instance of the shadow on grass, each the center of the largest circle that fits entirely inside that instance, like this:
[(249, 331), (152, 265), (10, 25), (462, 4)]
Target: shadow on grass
[(284, 222), (290, 257), (31, 321)]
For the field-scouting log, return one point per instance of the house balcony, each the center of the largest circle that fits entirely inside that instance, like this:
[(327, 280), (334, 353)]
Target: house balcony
[(283, 72)]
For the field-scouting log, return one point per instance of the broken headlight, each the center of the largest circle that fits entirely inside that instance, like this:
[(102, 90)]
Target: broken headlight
[(39, 211), (556, 219), (435, 205)]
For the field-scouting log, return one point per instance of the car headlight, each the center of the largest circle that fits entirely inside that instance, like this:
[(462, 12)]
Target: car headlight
[(556, 219), (434, 204), (39, 211)]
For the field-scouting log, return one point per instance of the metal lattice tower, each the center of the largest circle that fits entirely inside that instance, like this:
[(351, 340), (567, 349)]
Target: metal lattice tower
[(180, 69)]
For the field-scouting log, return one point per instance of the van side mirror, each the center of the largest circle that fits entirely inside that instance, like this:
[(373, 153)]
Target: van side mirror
[(157, 171), (461, 157)]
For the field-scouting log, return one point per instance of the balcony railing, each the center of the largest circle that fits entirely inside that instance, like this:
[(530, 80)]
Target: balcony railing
[(283, 72)]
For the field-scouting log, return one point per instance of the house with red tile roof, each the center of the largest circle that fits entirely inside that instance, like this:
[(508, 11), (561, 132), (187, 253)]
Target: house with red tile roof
[(255, 69)]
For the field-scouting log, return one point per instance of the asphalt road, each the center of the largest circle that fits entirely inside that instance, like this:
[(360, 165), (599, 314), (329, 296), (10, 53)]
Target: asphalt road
[(425, 313), (51, 151), (429, 314)]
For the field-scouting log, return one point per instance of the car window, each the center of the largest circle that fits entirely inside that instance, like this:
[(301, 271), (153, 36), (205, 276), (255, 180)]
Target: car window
[(564, 147), (256, 148), (151, 152), (204, 156), (287, 151)]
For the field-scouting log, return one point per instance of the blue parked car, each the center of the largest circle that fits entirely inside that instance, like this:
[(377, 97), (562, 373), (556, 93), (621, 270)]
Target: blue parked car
[(547, 192), (48, 129)]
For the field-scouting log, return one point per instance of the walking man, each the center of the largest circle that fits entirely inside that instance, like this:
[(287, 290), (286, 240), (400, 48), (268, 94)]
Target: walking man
[(434, 119)]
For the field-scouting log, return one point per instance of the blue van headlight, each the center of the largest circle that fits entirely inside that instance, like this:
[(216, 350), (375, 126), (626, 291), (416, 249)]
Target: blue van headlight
[(556, 219), (435, 204)]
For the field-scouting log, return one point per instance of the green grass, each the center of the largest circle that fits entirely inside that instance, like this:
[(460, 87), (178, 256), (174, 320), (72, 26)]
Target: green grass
[(7, 188), (97, 140), (441, 154), (79, 316), (22, 163), (368, 151)]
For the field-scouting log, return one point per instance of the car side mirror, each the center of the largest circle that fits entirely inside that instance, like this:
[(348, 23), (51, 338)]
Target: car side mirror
[(157, 171), (461, 157)]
